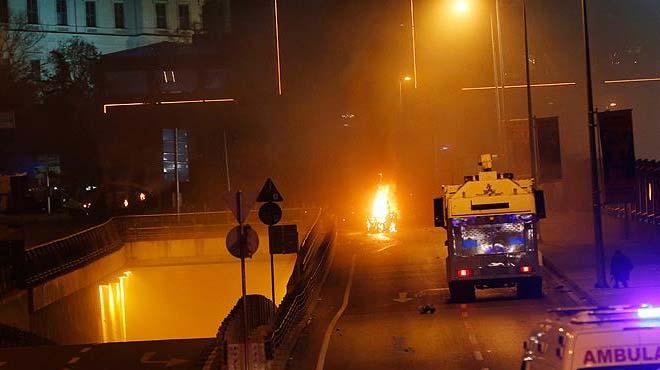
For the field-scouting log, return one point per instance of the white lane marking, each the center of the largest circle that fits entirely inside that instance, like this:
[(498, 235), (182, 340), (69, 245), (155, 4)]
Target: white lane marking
[(478, 356), (86, 349), (73, 360), (473, 339), (328, 332), (403, 298), (468, 326), (464, 314)]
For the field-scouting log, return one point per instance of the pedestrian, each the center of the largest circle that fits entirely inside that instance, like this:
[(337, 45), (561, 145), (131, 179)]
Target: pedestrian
[(620, 269)]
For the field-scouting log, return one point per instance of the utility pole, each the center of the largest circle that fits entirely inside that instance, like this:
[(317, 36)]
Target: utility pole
[(224, 133), (530, 114), (601, 280), (176, 170)]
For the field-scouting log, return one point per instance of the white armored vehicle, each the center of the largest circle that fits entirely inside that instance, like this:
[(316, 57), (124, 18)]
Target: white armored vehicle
[(491, 222)]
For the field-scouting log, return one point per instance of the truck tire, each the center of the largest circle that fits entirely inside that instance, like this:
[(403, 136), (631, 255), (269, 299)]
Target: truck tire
[(462, 291), (530, 287)]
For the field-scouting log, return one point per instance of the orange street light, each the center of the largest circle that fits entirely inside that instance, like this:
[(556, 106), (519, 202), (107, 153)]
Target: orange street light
[(461, 6)]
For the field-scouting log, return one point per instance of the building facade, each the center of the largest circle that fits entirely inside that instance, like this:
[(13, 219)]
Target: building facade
[(111, 25)]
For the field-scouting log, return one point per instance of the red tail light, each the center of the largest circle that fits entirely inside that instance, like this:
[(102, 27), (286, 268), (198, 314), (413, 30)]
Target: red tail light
[(464, 273), (525, 269)]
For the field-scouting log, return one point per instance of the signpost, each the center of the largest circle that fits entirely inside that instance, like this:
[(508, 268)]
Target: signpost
[(242, 242), (270, 214)]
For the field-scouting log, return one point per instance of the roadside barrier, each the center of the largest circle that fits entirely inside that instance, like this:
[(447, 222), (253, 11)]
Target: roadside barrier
[(646, 205), (46, 261)]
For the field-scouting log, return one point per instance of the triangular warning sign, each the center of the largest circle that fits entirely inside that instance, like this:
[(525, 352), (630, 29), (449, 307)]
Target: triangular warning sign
[(269, 193), (246, 202)]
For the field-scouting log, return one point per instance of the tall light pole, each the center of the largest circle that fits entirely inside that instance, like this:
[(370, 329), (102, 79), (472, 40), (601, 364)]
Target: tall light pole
[(277, 47), (530, 114), (601, 280), (462, 7), (412, 36)]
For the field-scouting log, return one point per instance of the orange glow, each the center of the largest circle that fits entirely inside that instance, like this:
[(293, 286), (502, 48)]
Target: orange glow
[(143, 196), (461, 7), (384, 212), (407, 78)]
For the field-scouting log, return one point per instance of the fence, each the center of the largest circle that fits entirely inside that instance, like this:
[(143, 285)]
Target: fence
[(646, 205), (46, 261)]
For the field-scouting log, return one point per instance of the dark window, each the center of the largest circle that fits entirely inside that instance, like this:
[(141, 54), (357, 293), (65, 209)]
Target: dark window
[(184, 17), (161, 15), (169, 154), (119, 15), (4, 11), (35, 69), (61, 12), (90, 13), (32, 12)]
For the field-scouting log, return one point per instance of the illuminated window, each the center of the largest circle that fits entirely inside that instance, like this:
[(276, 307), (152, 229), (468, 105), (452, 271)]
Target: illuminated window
[(119, 15), (4, 11), (184, 17), (61, 12), (161, 15), (90, 13), (170, 154), (32, 12)]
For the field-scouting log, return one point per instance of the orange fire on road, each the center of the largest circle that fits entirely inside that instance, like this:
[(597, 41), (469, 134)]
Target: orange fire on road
[(384, 212)]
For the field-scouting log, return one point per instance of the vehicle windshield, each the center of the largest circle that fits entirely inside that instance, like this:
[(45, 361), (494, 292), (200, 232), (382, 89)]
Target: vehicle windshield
[(491, 235)]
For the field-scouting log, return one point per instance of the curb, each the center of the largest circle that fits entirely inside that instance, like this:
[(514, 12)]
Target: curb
[(582, 294)]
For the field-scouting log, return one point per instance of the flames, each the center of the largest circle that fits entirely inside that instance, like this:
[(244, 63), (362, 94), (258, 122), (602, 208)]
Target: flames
[(384, 213)]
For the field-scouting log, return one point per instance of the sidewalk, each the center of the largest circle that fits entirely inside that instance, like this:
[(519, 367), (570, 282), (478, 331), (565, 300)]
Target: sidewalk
[(575, 263)]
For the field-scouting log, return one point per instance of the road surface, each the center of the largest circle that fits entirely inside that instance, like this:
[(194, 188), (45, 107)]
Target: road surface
[(172, 354), (367, 316)]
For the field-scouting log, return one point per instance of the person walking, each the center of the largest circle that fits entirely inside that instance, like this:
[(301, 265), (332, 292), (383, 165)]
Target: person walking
[(620, 269)]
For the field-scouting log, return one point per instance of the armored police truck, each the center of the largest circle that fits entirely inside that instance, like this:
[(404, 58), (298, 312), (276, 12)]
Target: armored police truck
[(491, 222)]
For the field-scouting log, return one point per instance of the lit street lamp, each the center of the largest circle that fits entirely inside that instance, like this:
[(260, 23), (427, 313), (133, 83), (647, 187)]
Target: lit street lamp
[(401, 81)]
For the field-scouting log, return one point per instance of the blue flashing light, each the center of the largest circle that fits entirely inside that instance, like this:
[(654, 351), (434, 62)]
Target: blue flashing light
[(516, 240), (649, 313), (469, 243)]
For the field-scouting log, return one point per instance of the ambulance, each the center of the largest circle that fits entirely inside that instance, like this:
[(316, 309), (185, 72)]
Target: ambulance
[(596, 338)]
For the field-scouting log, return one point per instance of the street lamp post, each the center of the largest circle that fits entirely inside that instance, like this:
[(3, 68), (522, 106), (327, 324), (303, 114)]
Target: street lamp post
[(530, 114), (601, 280)]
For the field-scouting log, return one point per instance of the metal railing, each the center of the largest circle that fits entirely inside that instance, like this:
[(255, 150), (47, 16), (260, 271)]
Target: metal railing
[(49, 260), (314, 262), (645, 207)]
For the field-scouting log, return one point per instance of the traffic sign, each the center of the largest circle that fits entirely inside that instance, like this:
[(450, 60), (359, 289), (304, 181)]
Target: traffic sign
[(270, 213), (269, 193), (246, 201), (283, 239), (234, 241)]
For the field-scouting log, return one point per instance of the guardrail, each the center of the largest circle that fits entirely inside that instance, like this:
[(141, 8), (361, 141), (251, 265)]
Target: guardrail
[(46, 261), (646, 205), (315, 257)]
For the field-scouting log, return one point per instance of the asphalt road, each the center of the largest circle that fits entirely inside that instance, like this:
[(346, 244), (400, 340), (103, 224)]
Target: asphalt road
[(377, 324), (181, 354)]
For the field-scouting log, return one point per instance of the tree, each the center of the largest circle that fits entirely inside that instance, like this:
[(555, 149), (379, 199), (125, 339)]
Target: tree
[(69, 100), (72, 69), (18, 43)]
